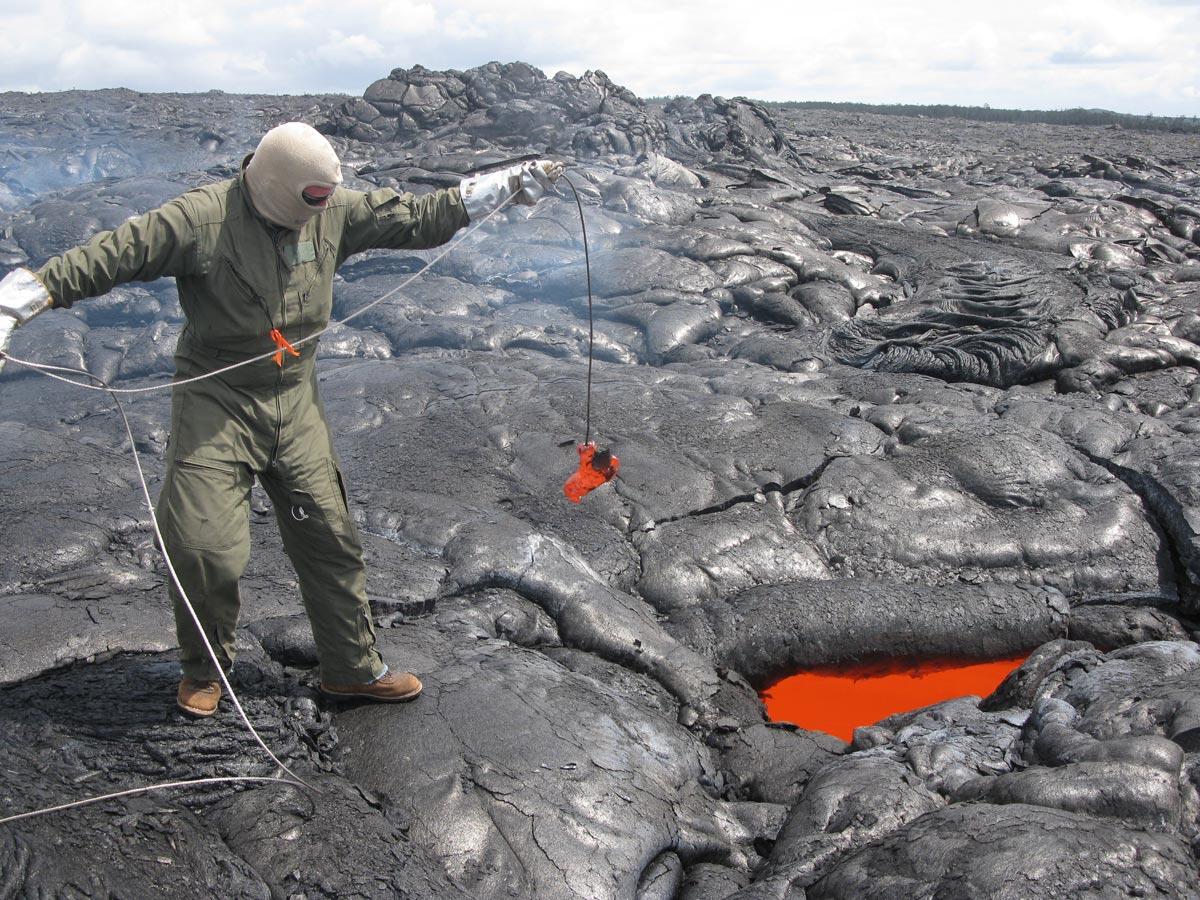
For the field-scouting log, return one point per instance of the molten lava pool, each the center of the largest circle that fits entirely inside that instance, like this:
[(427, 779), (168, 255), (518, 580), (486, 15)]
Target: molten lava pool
[(838, 699)]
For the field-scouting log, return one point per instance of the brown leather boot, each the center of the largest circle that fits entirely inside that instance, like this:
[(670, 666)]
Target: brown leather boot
[(198, 698), (391, 688)]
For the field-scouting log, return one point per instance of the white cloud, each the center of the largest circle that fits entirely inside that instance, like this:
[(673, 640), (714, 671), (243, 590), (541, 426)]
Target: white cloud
[(1133, 55), (404, 17), (340, 47)]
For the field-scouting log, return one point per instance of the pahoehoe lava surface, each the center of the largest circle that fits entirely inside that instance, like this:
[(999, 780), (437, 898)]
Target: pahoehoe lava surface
[(879, 388)]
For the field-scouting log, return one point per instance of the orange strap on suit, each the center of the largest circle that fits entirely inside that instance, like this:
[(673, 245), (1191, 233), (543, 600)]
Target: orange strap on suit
[(283, 344)]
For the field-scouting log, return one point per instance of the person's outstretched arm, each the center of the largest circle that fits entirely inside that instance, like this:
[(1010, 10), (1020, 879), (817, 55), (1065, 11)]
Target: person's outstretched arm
[(160, 242), (384, 219)]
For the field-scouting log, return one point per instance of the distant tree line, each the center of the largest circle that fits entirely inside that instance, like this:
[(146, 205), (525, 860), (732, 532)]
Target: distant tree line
[(985, 113)]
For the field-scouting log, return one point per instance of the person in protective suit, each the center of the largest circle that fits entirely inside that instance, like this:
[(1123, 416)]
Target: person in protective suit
[(254, 258)]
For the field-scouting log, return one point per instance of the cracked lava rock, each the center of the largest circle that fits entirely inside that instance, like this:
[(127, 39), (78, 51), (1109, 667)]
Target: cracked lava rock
[(879, 389)]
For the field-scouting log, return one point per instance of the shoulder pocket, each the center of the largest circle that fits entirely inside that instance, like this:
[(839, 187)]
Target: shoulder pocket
[(386, 204)]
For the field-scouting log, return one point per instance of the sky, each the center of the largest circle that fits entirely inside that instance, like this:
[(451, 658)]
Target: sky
[(1135, 56)]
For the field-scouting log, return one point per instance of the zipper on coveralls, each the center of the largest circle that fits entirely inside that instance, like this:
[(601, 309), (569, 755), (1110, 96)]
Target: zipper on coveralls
[(266, 308), (283, 313)]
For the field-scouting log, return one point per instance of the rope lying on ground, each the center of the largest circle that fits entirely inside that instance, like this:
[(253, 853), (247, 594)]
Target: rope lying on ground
[(163, 786)]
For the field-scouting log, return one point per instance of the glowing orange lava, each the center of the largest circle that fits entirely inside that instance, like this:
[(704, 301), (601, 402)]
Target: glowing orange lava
[(838, 699)]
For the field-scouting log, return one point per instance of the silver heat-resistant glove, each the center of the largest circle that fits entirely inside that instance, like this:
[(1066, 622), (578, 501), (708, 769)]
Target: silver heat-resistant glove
[(526, 183), (22, 297)]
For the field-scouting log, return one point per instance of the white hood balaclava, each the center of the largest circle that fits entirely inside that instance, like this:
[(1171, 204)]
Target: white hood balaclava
[(291, 158)]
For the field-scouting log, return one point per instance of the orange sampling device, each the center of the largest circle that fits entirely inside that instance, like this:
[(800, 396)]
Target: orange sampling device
[(595, 468)]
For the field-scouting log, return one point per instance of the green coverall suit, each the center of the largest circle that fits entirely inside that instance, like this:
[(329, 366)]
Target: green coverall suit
[(240, 277)]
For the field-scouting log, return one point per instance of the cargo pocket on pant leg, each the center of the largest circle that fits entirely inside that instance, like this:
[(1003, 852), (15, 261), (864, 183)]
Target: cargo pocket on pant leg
[(205, 505)]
